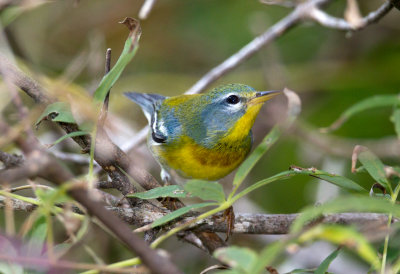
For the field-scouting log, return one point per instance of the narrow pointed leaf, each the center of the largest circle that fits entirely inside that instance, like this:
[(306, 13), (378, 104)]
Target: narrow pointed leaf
[(374, 167), (323, 267), (245, 168), (173, 191), (294, 108), (369, 103), (346, 236), (129, 51), (71, 134), (396, 121), (57, 112)]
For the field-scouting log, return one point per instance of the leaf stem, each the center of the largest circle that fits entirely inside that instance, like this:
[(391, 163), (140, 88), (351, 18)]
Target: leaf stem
[(91, 162), (175, 230), (386, 243), (125, 263)]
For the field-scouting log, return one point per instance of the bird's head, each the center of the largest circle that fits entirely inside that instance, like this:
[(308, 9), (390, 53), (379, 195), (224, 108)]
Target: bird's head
[(234, 107)]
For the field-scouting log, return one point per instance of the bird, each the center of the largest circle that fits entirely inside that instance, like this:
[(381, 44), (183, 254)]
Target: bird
[(201, 136)]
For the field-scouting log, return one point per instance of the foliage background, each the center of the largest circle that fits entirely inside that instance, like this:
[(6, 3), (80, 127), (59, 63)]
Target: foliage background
[(181, 41)]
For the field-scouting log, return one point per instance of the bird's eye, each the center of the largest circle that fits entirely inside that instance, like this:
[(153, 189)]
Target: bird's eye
[(232, 99)]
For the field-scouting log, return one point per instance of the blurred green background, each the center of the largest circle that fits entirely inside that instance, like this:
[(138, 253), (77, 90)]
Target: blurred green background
[(182, 40)]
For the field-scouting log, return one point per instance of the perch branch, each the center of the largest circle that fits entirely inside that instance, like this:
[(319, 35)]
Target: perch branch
[(48, 168), (10, 160), (245, 223), (108, 155)]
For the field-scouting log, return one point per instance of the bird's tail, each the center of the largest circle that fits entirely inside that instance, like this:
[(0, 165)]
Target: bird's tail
[(147, 102)]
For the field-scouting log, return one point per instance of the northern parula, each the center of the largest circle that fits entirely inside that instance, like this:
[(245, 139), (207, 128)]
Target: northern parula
[(201, 136)]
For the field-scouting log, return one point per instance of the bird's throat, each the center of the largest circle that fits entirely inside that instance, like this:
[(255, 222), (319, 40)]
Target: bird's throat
[(242, 127)]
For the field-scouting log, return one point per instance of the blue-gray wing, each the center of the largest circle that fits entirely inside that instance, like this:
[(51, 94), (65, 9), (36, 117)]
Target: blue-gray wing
[(149, 104)]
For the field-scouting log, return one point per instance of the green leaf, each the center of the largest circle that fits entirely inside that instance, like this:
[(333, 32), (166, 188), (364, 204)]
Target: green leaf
[(331, 178), (340, 181), (71, 134), (268, 255), (337, 180), (323, 267), (345, 204), (57, 112), (245, 168), (37, 235), (346, 236), (237, 257), (374, 166), (294, 108), (396, 121), (129, 51), (173, 191), (177, 213), (302, 271), (280, 176), (372, 102), (205, 190)]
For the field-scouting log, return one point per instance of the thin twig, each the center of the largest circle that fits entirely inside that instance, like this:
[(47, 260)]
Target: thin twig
[(146, 8), (309, 10), (329, 21), (104, 109), (34, 263), (10, 160)]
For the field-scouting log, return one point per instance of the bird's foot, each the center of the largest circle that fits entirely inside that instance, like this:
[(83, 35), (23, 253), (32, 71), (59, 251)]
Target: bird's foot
[(165, 177), (229, 217)]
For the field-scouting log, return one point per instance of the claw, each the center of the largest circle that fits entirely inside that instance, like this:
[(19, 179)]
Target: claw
[(229, 217)]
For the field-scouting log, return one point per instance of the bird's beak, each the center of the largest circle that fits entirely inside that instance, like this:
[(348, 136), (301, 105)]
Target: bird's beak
[(262, 96)]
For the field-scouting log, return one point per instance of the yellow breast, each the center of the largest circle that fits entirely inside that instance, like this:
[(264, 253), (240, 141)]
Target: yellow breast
[(191, 160)]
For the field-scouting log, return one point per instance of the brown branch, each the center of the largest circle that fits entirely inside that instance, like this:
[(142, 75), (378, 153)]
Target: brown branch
[(245, 223), (10, 160), (109, 156), (17, 204), (37, 262), (329, 21), (308, 10), (104, 109), (48, 168)]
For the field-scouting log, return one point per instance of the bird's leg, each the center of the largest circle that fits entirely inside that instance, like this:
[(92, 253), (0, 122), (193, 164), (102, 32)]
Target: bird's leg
[(165, 177), (229, 218)]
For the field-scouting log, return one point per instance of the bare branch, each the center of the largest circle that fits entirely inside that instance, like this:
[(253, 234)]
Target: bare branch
[(309, 10), (108, 155), (40, 263), (10, 160), (303, 11), (329, 21), (245, 223), (17, 77), (146, 8), (104, 109), (17, 204)]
